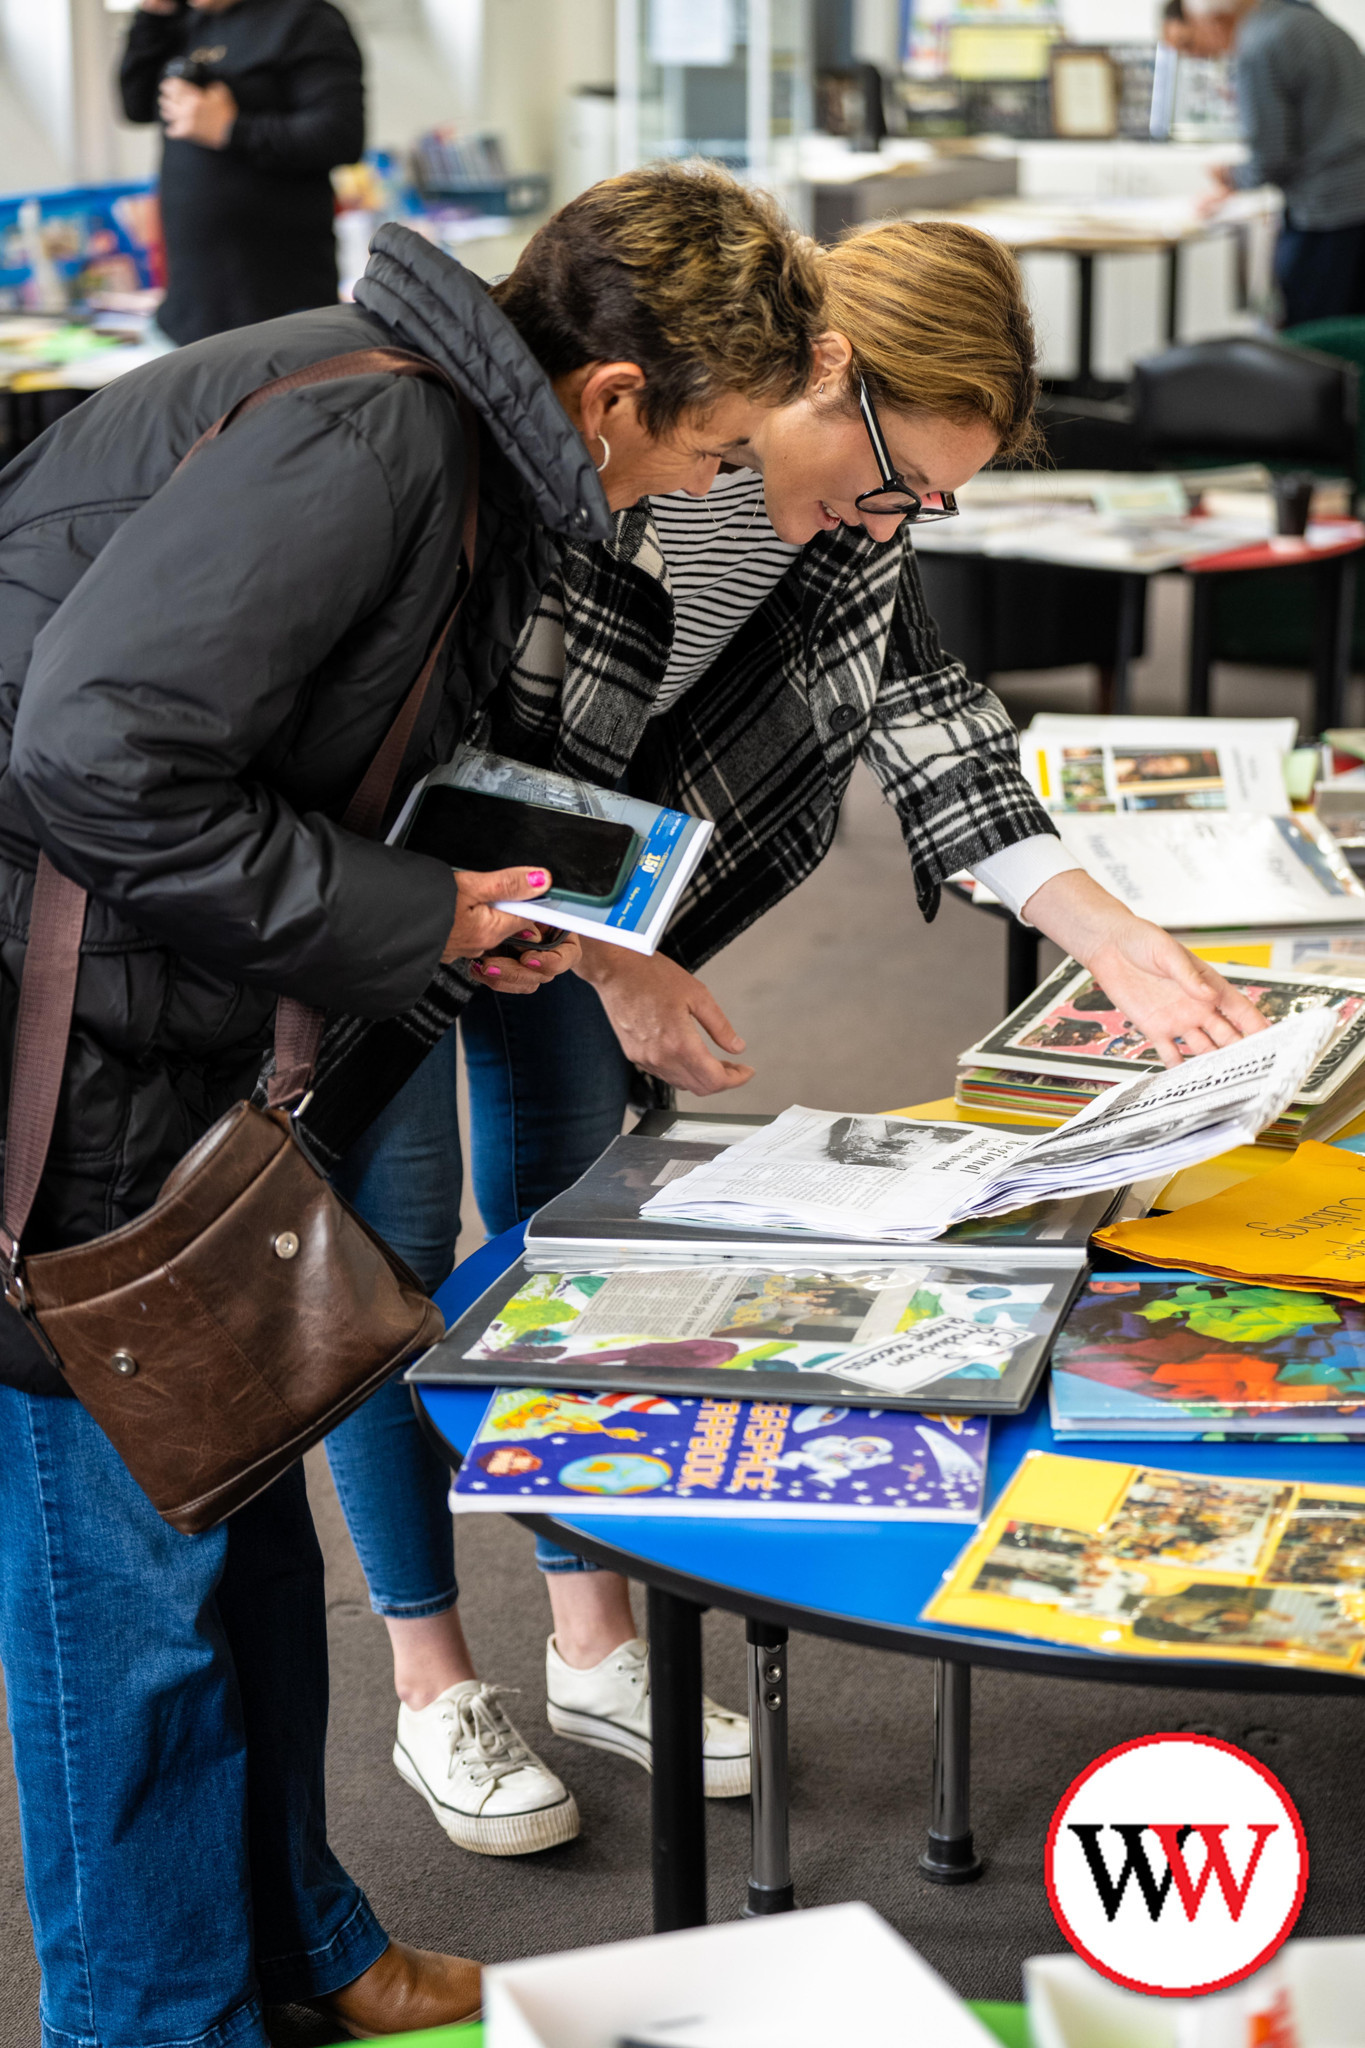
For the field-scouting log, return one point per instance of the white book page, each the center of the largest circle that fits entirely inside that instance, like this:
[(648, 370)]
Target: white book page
[(1185, 869)]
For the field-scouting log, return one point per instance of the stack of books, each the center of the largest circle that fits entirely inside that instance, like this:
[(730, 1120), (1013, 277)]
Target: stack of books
[(1067, 1043)]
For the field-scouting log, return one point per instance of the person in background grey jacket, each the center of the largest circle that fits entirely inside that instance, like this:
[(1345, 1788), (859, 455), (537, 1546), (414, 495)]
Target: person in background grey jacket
[(1301, 90)]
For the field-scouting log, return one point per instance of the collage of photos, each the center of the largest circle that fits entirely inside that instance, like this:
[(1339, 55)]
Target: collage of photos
[(1129, 1560), (1141, 779), (886, 1330), (922, 1332)]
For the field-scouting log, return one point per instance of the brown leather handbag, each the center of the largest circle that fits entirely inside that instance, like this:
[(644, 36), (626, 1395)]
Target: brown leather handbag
[(249, 1310)]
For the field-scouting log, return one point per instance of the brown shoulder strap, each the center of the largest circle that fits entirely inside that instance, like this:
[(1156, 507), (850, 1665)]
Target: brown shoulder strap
[(57, 918)]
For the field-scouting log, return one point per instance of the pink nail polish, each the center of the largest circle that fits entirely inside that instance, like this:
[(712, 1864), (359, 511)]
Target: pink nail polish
[(492, 971), (531, 960), (536, 878), (530, 933)]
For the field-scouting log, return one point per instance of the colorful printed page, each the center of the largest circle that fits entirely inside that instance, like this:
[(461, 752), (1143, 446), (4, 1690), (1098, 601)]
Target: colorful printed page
[(538, 1452), (1069, 1025), (888, 1329), (1136, 1562), (1301, 1227), (1165, 1346)]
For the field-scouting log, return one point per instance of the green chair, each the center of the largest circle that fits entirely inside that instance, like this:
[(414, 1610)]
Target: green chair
[(1267, 619)]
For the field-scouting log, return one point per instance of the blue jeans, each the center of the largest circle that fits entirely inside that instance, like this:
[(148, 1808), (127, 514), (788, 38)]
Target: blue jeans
[(548, 1086), (1320, 272), (168, 1709)]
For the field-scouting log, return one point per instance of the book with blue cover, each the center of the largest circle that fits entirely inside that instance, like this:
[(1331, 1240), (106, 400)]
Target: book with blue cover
[(636, 857), (544, 1452), (1157, 1353)]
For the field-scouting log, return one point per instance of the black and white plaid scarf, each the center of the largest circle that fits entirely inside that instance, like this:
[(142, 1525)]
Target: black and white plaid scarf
[(842, 661)]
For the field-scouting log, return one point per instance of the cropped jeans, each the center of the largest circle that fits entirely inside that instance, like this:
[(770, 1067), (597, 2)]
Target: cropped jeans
[(548, 1087), (167, 1701)]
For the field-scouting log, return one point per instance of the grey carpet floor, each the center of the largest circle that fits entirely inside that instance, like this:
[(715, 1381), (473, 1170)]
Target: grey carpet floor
[(847, 1000)]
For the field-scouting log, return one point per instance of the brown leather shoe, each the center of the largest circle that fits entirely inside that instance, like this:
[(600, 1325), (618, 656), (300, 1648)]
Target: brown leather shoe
[(407, 1989)]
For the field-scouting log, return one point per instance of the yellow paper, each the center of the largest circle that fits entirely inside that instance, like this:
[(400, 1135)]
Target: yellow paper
[(1141, 1562), (1302, 1225)]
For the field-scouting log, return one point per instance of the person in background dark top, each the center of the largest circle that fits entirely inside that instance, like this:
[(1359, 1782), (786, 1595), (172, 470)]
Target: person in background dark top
[(1301, 92), (274, 99)]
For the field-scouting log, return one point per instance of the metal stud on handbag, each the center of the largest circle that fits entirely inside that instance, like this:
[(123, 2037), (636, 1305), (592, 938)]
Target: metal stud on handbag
[(249, 1310)]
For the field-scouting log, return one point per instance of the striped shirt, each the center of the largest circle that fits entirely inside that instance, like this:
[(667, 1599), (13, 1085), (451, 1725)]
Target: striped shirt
[(1301, 88), (723, 559)]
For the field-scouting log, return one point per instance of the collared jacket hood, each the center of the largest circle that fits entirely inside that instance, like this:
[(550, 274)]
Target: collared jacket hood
[(436, 306)]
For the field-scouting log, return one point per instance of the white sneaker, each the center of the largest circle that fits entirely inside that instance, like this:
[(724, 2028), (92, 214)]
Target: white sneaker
[(607, 1707), (489, 1791)]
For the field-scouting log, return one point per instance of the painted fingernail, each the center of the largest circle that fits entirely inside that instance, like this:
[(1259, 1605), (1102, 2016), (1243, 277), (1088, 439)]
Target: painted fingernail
[(492, 972), (536, 878), (530, 933), (531, 960)]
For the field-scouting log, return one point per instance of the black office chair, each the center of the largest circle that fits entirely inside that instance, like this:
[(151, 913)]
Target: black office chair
[(1249, 399)]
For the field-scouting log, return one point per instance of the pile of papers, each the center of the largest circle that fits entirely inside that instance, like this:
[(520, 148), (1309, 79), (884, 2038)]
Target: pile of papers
[(1300, 1227), (1067, 1043), (1188, 820), (893, 1180)]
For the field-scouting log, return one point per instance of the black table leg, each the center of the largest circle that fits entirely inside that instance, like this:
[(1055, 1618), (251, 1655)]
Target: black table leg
[(770, 1877), (1132, 601), (1336, 609), (1201, 646), (1173, 292), (1085, 323), (678, 1806), (950, 1857), (1021, 963)]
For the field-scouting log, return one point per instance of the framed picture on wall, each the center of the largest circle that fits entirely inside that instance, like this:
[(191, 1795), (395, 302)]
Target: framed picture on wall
[(1086, 88)]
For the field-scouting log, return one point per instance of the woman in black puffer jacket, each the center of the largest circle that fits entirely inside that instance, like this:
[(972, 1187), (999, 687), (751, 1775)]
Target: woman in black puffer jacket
[(195, 670)]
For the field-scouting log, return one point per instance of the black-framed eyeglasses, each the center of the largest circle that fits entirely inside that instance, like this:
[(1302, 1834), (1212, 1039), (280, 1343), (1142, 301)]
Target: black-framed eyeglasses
[(893, 497)]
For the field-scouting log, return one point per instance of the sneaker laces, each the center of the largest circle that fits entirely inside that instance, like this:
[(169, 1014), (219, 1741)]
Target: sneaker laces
[(481, 1722)]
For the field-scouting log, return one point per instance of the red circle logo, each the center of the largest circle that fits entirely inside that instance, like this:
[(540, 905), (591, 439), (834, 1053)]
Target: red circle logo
[(1176, 1865)]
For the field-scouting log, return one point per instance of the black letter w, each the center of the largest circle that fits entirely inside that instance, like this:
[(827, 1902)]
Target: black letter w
[(1135, 1865)]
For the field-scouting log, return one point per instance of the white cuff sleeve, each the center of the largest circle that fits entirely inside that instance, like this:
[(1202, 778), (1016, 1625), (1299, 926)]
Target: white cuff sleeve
[(1014, 874)]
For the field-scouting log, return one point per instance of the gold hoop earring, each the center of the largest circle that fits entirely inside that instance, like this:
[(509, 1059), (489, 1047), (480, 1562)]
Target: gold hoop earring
[(607, 456)]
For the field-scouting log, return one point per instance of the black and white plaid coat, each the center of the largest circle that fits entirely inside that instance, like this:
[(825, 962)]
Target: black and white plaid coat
[(841, 662)]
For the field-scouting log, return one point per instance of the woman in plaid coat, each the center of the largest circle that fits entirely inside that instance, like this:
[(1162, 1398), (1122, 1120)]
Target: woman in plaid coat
[(736, 664)]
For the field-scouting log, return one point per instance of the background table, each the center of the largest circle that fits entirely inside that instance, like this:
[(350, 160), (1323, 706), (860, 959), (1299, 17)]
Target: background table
[(1088, 229), (864, 1583), (1333, 556)]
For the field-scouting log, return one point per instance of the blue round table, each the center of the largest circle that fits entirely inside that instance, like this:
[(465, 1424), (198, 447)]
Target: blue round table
[(865, 1583)]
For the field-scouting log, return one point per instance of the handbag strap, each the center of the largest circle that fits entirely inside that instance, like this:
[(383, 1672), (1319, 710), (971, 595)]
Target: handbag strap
[(47, 990)]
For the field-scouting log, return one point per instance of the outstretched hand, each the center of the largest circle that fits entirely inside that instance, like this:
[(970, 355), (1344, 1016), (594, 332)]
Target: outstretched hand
[(1180, 1003), (655, 1008)]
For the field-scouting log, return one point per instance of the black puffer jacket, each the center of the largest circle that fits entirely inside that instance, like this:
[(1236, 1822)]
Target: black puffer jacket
[(195, 672)]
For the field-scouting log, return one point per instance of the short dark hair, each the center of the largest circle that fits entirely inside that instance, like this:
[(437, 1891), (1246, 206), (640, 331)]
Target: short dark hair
[(680, 269)]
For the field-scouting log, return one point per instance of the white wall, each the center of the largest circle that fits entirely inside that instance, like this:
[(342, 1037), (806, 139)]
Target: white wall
[(1350, 13), (35, 43), (1110, 21)]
